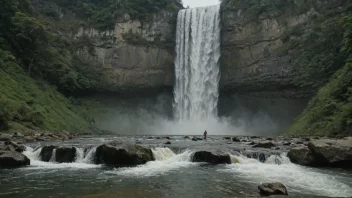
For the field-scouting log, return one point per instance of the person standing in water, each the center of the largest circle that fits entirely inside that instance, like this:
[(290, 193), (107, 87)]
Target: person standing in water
[(205, 134)]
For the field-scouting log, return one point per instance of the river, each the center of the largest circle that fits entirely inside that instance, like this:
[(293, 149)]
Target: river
[(171, 175)]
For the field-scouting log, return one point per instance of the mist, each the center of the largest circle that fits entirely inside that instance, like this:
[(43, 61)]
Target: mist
[(238, 115)]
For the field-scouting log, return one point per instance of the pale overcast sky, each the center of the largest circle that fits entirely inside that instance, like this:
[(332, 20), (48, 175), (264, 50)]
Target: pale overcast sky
[(199, 3)]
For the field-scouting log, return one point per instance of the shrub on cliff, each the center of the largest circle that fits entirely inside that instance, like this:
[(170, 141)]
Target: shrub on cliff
[(330, 111)]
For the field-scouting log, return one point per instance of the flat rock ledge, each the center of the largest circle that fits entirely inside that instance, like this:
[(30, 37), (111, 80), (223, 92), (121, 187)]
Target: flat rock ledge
[(324, 153)]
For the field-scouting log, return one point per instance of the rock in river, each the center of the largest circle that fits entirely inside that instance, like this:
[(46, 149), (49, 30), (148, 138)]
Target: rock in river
[(47, 152), (209, 157), (301, 155), (272, 189), (122, 153), (332, 152), (65, 154), (264, 144), (13, 159), (324, 152)]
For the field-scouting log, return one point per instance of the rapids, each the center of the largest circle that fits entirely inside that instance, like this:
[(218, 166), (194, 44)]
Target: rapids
[(172, 174)]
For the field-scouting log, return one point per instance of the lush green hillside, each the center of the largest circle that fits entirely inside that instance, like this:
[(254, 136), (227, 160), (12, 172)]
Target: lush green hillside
[(330, 111)]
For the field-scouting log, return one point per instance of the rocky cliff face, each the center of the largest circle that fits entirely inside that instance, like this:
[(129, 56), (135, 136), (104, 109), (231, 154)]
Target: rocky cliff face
[(136, 54), (253, 34)]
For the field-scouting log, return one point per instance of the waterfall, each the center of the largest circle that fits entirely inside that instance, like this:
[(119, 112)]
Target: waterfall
[(161, 154), (197, 63), (79, 155), (53, 156), (90, 157)]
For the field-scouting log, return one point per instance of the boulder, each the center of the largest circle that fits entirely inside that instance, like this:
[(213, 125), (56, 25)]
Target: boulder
[(18, 135), (236, 139), (332, 152), (272, 189), (209, 157), (186, 137), (13, 159), (7, 148), (5, 137), (47, 152), (226, 138), (301, 155), (168, 142), (123, 154), (18, 148), (194, 139), (65, 154), (264, 144)]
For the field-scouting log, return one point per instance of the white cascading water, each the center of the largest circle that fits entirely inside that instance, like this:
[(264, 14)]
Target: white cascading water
[(89, 159), (166, 161), (81, 161), (79, 155), (197, 63), (161, 154)]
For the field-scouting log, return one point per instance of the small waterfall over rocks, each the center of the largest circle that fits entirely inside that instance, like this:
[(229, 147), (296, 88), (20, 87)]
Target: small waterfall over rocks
[(197, 63)]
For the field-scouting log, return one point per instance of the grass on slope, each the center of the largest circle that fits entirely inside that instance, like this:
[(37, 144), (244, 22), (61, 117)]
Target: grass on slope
[(34, 104)]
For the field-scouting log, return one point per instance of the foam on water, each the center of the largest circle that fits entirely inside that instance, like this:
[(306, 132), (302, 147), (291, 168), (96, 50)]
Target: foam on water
[(79, 155), (161, 154), (36, 163), (296, 178), (165, 163), (89, 159)]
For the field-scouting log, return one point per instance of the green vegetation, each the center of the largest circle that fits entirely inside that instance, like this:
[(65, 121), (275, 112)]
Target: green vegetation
[(316, 47), (102, 14), (330, 111), (34, 105), (252, 9)]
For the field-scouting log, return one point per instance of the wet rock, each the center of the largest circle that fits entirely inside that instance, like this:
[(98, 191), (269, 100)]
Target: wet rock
[(286, 143), (18, 135), (236, 139), (28, 139), (186, 137), (209, 157), (251, 143), (332, 152), (272, 189), (122, 153), (264, 144), (7, 148), (40, 139), (301, 155), (168, 138), (65, 154), (13, 159), (5, 137), (18, 148), (47, 152), (226, 138), (257, 155), (194, 139), (168, 142)]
